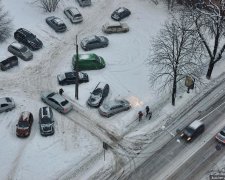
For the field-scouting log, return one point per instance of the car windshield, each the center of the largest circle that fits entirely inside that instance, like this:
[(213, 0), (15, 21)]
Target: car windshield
[(50, 95), (97, 91), (8, 100), (63, 103), (77, 15), (46, 120), (23, 124), (23, 49), (222, 132)]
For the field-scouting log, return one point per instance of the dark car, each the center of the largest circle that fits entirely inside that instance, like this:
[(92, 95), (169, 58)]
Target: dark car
[(6, 104), (56, 23), (23, 128), (93, 42), (28, 39), (70, 78), (8, 63), (97, 96), (120, 13), (193, 130), (46, 121)]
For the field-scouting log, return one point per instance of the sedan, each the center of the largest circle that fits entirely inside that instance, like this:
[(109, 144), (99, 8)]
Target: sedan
[(56, 23), (21, 51), (115, 27), (93, 42), (113, 107), (120, 13), (70, 78), (220, 136), (24, 124), (97, 96), (28, 39), (6, 104), (56, 101)]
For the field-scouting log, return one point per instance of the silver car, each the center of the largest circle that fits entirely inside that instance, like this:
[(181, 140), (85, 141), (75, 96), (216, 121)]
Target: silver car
[(21, 51), (6, 104), (73, 14), (115, 27), (113, 107), (94, 42), (220, 136), (56, 101)]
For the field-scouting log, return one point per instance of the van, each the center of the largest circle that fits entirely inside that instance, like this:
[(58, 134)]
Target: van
[(84, 3), (88, 62)]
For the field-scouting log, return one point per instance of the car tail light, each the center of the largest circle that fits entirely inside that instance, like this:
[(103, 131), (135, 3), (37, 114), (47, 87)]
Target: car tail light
[(188, 139)]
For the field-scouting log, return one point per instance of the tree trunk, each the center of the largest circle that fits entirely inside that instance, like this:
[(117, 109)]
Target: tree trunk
[(174, 91), (210, 69)]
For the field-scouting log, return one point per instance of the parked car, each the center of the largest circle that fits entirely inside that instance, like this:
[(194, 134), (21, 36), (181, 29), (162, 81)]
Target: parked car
[(84, 3), (56, 23), (21, 51), (8, 63), (120, 13), (116, 27), (94, 42), (88, 62), (6, 104), (220, 136), (46, 121), (24, 124), (193, 130), (70, 78), (56, 101), (113, 107), (28, 39), (98, 95), (73, 15)]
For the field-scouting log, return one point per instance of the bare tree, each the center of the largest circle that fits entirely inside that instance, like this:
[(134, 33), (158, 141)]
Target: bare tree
[(177, 52), (210, 26), (49, 5), (5, 24)]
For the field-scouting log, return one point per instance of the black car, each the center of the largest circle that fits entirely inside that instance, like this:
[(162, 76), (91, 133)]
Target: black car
[(46, 121), (93, 42), (97, 96), (120, 13), (56, 23), (28, 39), (70, 78), (193, 130)]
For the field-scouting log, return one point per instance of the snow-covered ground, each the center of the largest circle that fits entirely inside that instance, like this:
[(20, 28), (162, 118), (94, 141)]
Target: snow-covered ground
[(126, 72)]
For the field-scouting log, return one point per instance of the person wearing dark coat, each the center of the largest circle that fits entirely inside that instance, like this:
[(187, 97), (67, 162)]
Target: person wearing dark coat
[(61, 91)]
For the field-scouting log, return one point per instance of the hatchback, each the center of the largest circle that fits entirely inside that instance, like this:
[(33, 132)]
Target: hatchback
[(88, 62), (56, 101), (6, 104), (70, 78), (98, 95), (46, 121), (116, 27), (28, 39), (56, 23), (94, 42), (21, 51), (24, 124), (73, 15), (120, 13), (113, 107)]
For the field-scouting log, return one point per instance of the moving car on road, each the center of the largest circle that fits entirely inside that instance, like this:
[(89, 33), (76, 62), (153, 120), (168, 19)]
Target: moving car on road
[(46, 121), (28, 39), (21, 51), (70, 78), (73, 15), (120, 13), (6, 104), (56, 101), (93, 42), (116, 27), (220, 136), (193, 130), (56, 23), (98, 95), (113, 107), (24, 124)]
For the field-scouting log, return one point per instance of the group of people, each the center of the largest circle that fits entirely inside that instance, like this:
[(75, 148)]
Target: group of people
[(148, 113)]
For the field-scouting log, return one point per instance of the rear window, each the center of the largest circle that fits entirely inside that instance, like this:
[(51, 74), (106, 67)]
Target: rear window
[(77, 15), (64, 103), (8, 100)]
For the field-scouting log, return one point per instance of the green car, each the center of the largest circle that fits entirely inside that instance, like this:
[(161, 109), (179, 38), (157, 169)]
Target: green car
[(88, 62)]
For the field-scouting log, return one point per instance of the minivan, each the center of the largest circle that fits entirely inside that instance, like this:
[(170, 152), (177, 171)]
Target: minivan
[(84, 3), (88, 62)]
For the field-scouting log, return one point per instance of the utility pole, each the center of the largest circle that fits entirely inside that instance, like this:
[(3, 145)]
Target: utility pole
[(76, 72)]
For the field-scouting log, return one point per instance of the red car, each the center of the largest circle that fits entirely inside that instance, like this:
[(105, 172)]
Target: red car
[(24, 124)]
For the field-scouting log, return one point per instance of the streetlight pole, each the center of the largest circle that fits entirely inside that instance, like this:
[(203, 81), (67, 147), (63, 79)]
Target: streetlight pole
[(76, 72)]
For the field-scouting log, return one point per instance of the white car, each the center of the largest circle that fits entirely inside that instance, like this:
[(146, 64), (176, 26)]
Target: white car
[(6, 104), (115, 27), (73, 14)]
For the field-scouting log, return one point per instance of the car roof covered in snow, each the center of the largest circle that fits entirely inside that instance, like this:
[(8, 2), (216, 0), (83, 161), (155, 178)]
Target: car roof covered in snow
[(195, 124)]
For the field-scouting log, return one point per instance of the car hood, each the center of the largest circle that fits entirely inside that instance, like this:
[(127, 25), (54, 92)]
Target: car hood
[(61, 77)]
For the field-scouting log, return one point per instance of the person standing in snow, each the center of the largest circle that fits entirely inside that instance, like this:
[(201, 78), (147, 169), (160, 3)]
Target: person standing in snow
[(61, 91), (140, 115)]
